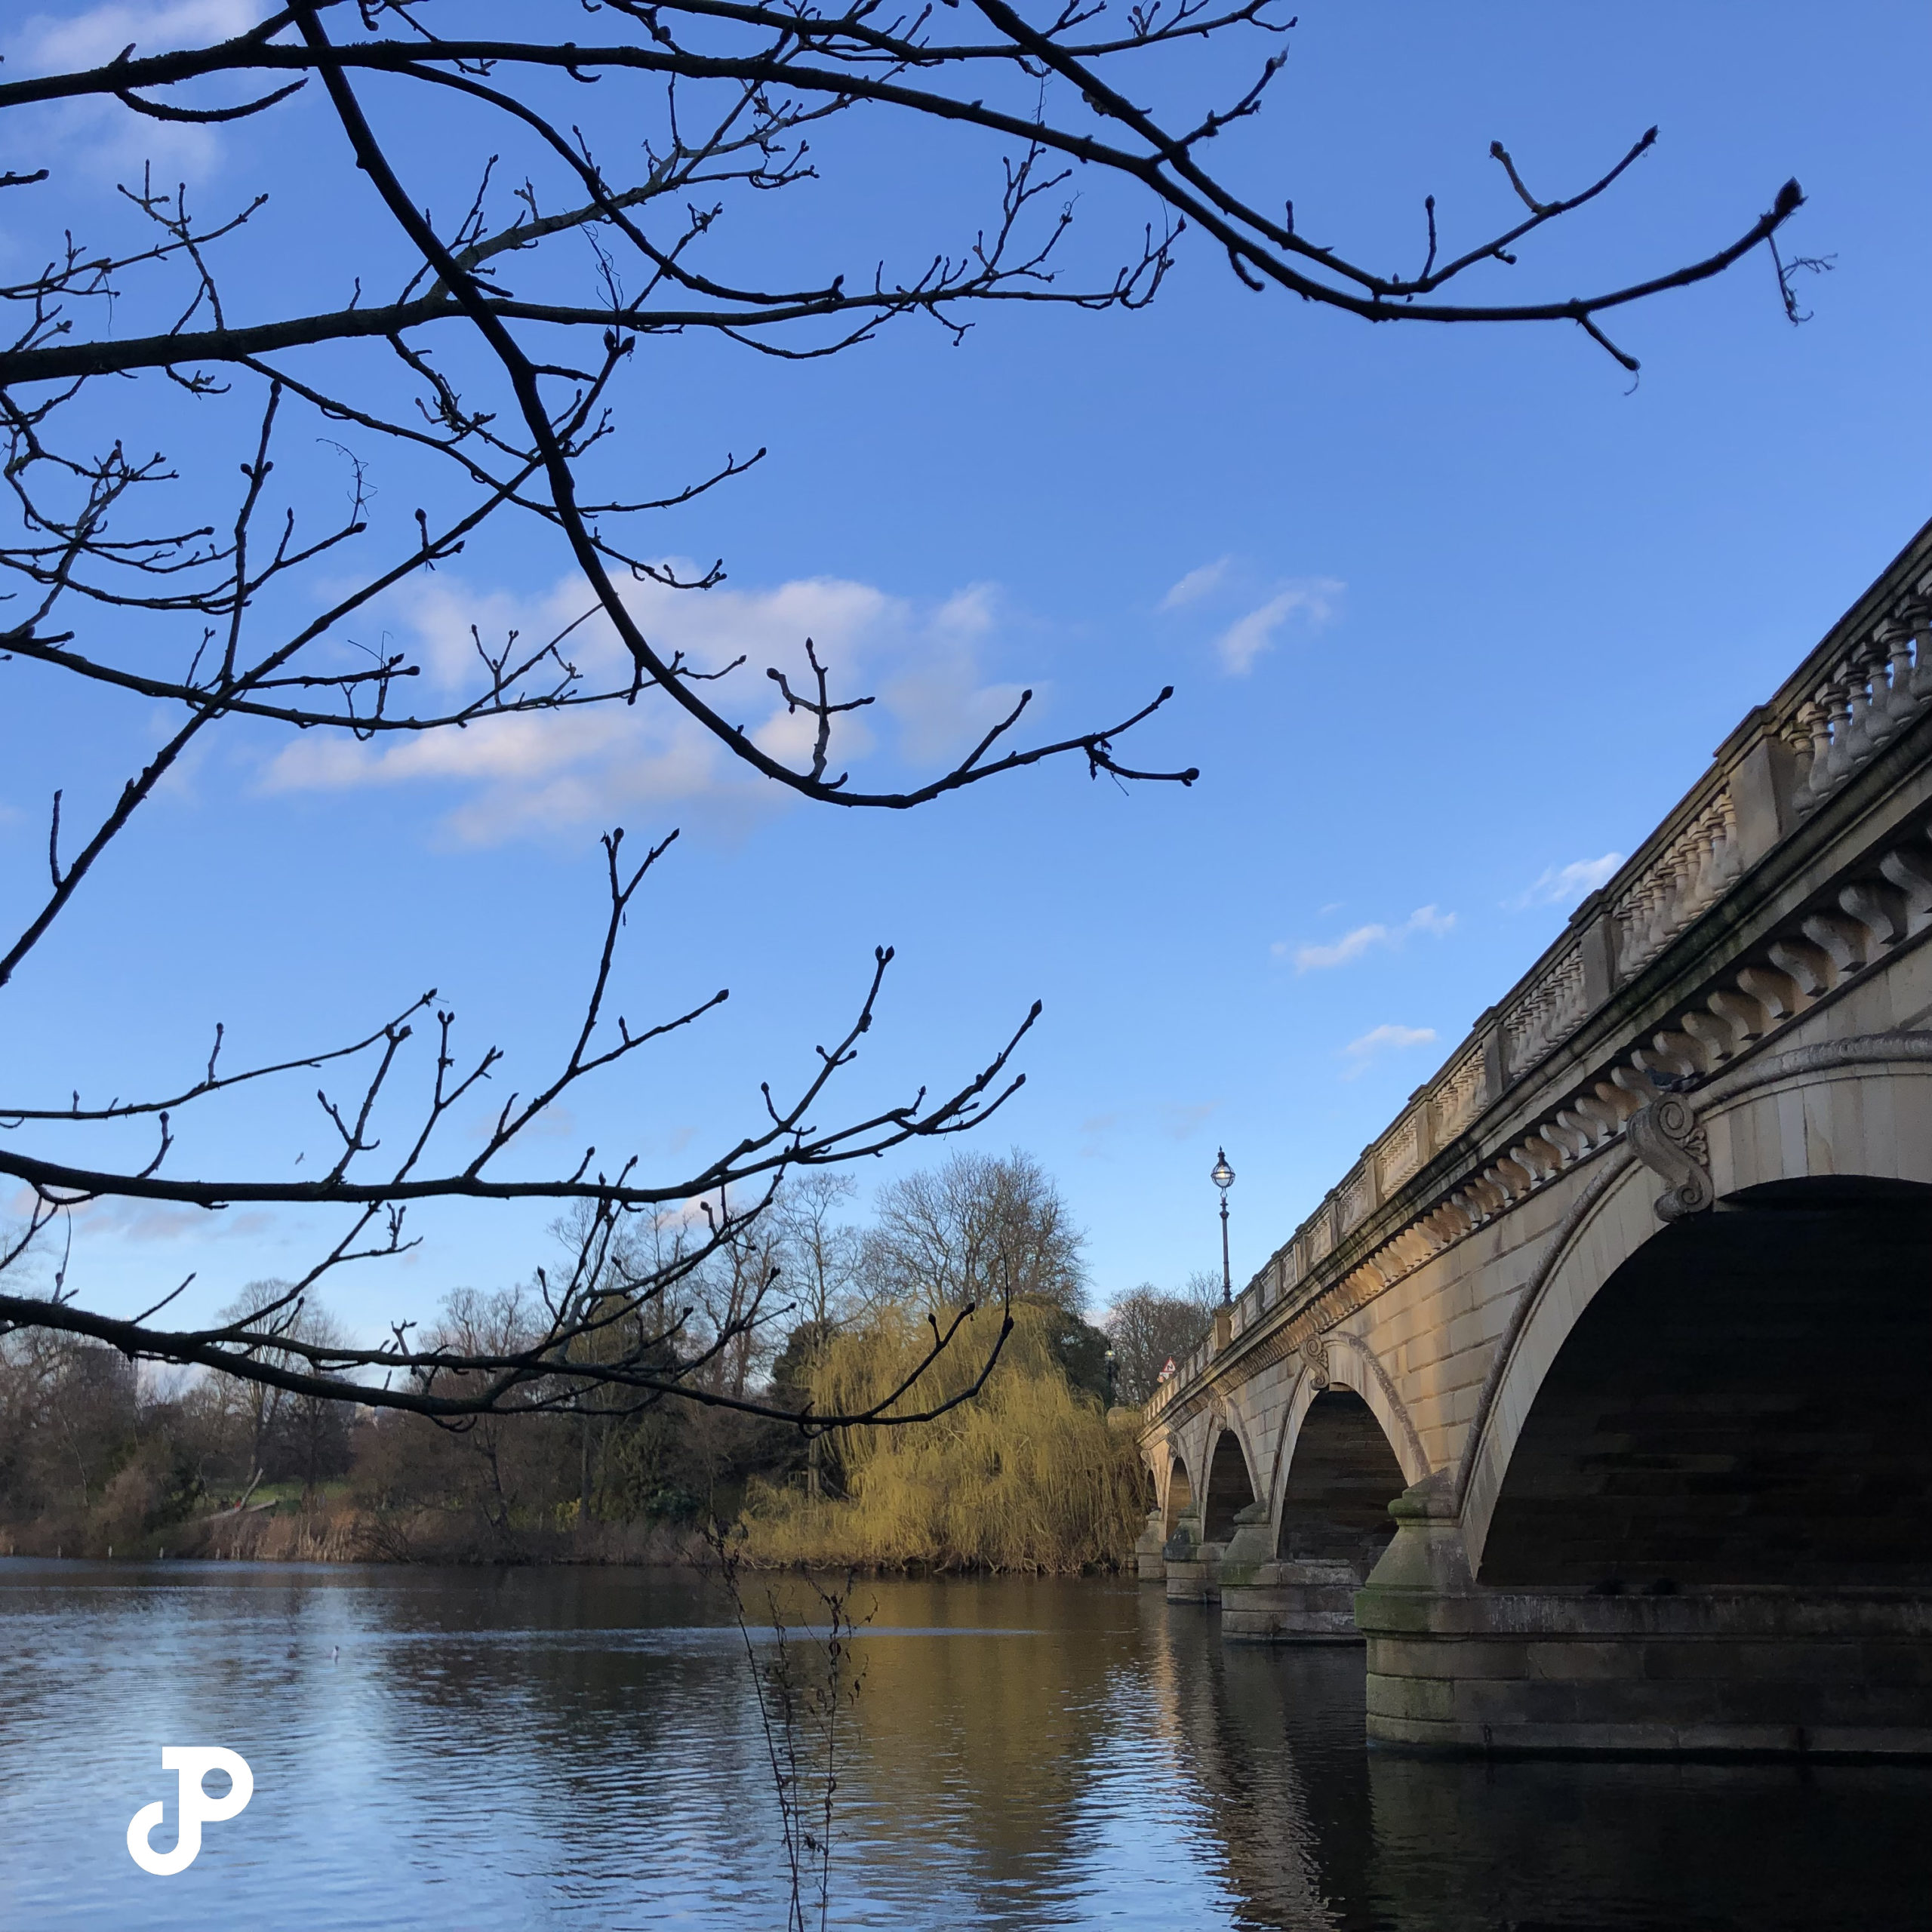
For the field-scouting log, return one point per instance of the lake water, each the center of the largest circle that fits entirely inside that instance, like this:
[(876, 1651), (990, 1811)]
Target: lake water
[(494, 1751)]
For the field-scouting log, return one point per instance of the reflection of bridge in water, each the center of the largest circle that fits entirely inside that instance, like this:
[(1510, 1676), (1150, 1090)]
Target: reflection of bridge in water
[(1629, 1312), (1311, 1833)]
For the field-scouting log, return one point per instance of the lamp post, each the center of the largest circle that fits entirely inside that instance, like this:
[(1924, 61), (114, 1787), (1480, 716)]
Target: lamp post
[(1223, 1177)]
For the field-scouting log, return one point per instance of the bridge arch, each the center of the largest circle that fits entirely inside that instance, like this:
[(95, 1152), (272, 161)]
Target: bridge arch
[(1341, 1476), (1176, 1493), (1735, 1397), (1230, 1486), (1351, 1368)]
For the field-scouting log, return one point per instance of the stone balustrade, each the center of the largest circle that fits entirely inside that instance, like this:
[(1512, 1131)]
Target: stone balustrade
[(1877, 688)]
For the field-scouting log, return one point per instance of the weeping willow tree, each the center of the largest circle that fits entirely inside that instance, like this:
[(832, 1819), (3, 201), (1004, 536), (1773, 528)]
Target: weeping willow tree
[(1027, 1475)]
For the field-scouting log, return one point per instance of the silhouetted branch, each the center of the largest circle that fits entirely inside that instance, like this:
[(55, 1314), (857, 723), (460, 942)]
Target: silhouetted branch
[(486, 356)]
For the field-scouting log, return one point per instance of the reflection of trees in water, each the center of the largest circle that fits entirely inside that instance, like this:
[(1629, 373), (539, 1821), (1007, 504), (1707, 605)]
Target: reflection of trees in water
[(984, 1707), (1255, 1728), (584, 1742), (981, 1748), (575, 1712)]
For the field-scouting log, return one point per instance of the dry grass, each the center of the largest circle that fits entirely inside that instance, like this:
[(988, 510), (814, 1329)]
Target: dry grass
[(341, 1532)]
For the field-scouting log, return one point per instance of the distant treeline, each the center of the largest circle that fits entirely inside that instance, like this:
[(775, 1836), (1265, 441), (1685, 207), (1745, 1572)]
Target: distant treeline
[(96, 1455)]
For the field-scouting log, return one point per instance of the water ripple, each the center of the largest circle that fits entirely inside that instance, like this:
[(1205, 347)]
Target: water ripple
[(580, 1750)]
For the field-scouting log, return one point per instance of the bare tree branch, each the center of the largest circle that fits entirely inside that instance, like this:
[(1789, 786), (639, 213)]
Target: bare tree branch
[(467, 378)]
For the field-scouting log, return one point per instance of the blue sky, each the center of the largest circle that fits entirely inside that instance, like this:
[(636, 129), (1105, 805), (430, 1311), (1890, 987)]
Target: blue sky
[(1454, 616)]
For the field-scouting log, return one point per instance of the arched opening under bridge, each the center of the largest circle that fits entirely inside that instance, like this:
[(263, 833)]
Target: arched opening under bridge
[(1341, 1478), (1743, 1402), (1229, 1488), (1180, 1493)]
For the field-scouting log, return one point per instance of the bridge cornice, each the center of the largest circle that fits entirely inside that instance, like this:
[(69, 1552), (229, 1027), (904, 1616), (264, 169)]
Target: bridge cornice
[(1798, 862)]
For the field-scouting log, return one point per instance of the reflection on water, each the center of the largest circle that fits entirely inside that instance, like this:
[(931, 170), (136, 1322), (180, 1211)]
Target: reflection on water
[(578, 1750)]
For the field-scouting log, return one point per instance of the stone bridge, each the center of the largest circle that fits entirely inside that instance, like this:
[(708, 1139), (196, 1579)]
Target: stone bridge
[(1597, 1396)]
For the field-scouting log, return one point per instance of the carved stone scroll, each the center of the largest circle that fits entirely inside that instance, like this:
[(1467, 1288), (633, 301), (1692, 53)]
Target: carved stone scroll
[(1665, 1136), (1315, 1360)]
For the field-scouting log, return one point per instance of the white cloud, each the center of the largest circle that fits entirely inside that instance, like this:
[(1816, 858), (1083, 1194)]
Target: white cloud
[(112, 140), (51, 42), (1352, 946), (1312, 598), (1564, 885), (938, 703), (548, 772), (1197, 584), (1387, 1038)]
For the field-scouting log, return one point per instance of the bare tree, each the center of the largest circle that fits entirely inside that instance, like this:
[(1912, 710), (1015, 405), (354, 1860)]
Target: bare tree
[(493, 1325), (461, 366), (819, 1251), (733, 1298), (982, 1227), (1149, 1328), (261, 1404)]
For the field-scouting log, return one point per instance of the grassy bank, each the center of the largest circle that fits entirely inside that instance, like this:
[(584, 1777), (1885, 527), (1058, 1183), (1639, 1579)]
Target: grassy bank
[(1026, 1475)]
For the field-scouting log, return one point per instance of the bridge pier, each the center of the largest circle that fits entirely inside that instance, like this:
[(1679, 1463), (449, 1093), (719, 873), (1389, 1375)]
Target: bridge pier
[(1192, 1567), (1291, 1602), (1196, 1578), (1456, 1666), (1149, 1565), (1267, 1600)]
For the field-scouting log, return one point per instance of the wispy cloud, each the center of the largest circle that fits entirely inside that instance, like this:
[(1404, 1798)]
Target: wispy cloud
[(1563, 885), (109, 140), (150, 1221), (1313, 599), (1179, 1121), (1174, 1120), (94, 36), (1198, 584), (546, 772), (1228, 582), (937, 701), (1352, 946), (1388, 1038)]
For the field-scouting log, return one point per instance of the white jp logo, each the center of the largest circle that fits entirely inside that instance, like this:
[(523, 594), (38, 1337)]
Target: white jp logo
[(190, 1762)]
